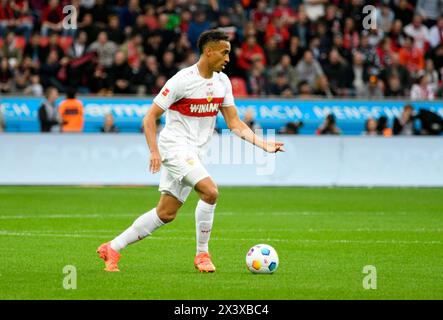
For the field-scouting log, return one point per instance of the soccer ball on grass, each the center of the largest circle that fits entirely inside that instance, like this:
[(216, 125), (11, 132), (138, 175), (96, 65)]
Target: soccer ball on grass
[(262, 258)]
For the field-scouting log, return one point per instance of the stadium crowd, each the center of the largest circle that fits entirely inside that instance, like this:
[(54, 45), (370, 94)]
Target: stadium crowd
[(279, 47)]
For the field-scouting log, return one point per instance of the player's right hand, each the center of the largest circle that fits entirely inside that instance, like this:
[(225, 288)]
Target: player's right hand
[(155, 162)]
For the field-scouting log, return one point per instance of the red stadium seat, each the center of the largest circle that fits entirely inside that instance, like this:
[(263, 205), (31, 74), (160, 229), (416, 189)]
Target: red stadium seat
[(65, 43), (20, 42), (239, 87)]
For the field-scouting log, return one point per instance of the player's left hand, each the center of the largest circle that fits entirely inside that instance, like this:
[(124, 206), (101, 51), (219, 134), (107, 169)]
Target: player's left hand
[(274, 147)]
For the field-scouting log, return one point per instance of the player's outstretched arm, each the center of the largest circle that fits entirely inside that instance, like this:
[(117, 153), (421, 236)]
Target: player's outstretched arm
[(241, 129), (150, 129)]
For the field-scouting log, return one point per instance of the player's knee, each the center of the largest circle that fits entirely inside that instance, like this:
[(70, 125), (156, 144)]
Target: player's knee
[(210, 196), (166, 215)]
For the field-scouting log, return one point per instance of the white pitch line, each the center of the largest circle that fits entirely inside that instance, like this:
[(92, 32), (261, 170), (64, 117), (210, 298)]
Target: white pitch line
[(308, 241), (221, 213)]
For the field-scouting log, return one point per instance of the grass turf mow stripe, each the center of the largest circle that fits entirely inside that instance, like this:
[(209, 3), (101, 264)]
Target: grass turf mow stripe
[(324, 238)]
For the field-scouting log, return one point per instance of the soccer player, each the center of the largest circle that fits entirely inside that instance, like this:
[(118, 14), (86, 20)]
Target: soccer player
[(191, 100)]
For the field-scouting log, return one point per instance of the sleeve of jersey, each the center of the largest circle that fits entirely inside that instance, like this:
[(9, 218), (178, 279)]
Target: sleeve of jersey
[(229, 96), (169, 94)]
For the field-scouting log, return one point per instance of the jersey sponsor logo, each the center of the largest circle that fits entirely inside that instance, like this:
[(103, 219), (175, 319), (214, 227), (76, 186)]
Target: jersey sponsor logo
[(203, 107), (165, 92)]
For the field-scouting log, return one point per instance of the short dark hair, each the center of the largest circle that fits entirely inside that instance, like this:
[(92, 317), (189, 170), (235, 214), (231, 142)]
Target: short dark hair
[(71, 93), (211, 36)]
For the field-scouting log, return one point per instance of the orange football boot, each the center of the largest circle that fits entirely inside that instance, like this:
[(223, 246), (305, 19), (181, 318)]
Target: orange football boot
[(203, 263), (110, 256)]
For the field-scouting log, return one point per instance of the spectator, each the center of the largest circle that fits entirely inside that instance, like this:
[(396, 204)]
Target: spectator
[(141, 28), (374, 89), (284, 11), (436, 33), (100, 13), (423, 89), (301, 29), (98, 82), (385, 18), (168, 66), (48, 115), (323, 88), (2, 122), (394, 87), (384, 52), (304, 90), (10, 49), (281, 86), (151, 20), (404, 11), (329, 126), (71, 112), (278, 31), (106, 49), (383, 128), (396, 69), (338, 44), (273, 53), (405, 124), (261, 16), (324, 39), (52, 18), (87, 25), (397, 35), (294, 50), (128, 15), (338, 74), (369, 52), (33, 49), (411, 56), (308, 68), (285, 67), (432, 73), (292, 128), (49, 71), (113, 30), (370, 127), (430, 10), (418, 31), (109, 125), (138, 77), (120, 75), (160, 81), (78, 47), (6, 76), (133, 49), (53, 45), (34, 88), (197, 27), (351, 37), (250, 52), (257, 82)]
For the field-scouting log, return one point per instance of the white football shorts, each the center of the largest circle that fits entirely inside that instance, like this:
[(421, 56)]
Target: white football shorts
[(180, 173)]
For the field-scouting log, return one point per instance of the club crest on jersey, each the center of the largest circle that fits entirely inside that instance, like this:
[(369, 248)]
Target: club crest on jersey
[(165, 92), (209, 98)]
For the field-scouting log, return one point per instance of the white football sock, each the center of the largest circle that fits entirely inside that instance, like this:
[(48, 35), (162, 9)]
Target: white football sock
[(142, 227), (204, 216)]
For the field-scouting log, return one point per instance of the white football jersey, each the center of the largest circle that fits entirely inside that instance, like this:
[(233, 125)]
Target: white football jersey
[(192, 104)]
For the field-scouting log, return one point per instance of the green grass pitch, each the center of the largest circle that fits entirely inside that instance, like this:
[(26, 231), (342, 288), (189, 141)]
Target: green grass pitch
[(324, 237)]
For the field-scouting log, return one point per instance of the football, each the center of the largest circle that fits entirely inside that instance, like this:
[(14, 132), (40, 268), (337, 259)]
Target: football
[(262, 258)]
